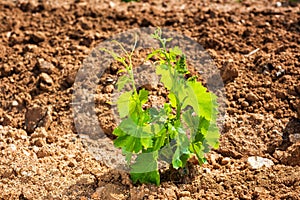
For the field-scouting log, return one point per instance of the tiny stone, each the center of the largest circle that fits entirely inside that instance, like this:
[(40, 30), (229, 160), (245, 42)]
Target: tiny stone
[(229, 71), (78, 172), (170, 193), (46, 78), (35, 149), (37, 116), (42, 153), (72, 163), (112, 4), (257, 162), (45, 66), (184, 194), (278, 4), (109, 89), (206, 170), (26, 152), (245, 104), (14, 103), (225, 161), (13, 147), (38, 37), (251, 97), (270, 107)]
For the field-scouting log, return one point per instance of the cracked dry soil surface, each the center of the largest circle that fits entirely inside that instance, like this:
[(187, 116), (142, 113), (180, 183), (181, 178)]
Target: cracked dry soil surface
[(255, 44)]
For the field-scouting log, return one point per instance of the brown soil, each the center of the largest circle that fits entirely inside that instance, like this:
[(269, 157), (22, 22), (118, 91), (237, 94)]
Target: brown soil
[(43, 44)]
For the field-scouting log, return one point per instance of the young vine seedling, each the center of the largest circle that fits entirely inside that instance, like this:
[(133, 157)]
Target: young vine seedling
[(185, 126)]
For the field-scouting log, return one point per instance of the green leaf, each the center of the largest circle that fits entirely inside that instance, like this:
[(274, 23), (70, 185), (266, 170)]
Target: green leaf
[(128, 143), (203, 102), (182, 149), (160, 139), (143, 96), (123, 104), (198, 149), (212, 136), (122, 81), (176, 51), (172, 99), (118, 132), (166, 75), (153, 53), (130, 127), (145, 169)]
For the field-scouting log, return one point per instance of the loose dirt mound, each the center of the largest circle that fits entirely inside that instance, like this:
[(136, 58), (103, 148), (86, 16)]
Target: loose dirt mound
[(254, 44)]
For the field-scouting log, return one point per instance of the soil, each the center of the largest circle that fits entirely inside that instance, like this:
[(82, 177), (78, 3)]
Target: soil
[(255, 44)]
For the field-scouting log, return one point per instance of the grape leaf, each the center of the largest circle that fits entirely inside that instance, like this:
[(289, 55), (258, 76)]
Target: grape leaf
[(123, 104), (166, 75), (182, 144), (145, 169), (143, 96), (203, 102), (122, 81), (129, 143)]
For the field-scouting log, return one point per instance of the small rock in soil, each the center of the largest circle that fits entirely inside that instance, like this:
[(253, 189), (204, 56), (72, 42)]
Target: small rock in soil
[(225, 161), (46, 78), (5, 70), (45, 66), (45, 81), (184, 194), (6, 120), (252, 97), (270, 107), (257, 162), (229, 72), (170, 193), (38, 37), (37, 116), (109, 89)]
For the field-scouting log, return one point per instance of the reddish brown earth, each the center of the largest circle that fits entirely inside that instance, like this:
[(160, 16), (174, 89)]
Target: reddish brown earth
[(43, 44)]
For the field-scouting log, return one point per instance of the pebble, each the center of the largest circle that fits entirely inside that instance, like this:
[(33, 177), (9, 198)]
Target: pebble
[(229, 72), (42, 153), (252, 97), (109, 89), (46, 78), (257, 162), (14, 103), (37, 116), (38, 37), (26, 152), (45, 66), (184, 194), (13, 147), (278, 4), (270, 107), (170, 193), (78, 172), (206, 170), (245, 104), (225, 161)]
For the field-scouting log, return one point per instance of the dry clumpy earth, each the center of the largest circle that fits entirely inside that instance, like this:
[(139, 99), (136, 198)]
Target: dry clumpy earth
[(255, 44)]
